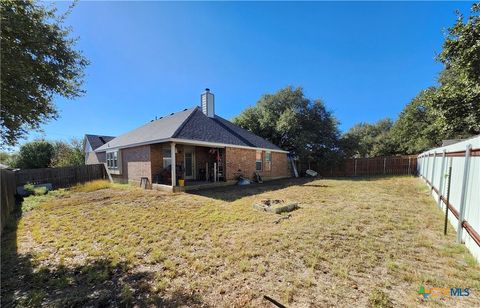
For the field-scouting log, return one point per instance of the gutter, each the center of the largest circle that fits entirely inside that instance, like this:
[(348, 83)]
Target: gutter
[(189, 142)]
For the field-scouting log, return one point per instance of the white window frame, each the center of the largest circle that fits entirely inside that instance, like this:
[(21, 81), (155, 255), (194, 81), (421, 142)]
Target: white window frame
[(113, 161)]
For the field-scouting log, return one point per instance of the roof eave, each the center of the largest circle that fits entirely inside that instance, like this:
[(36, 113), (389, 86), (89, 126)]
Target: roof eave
[(187, 141)]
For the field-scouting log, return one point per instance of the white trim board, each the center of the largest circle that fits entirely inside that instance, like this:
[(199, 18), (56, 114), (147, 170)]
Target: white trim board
[(192, 142)]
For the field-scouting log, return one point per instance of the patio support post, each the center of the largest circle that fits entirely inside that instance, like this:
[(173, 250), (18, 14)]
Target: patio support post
[(174, 165)]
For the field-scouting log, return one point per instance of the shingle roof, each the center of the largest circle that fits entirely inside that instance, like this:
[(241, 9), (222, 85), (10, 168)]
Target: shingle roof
[(162, 128), (190, 124), (97, 141), (218, 130)]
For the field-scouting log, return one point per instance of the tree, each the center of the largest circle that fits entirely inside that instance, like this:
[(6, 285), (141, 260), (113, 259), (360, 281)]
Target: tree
[(417, 127), (295, 123), (7, 159), (68, 154), (369, 140), (38, 61), (35, 154), (457, 99)]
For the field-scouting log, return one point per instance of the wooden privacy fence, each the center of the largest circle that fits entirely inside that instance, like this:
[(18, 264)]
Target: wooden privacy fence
[(58, 177), (462, 197), (7, 195), (62, 176), (388, 165)]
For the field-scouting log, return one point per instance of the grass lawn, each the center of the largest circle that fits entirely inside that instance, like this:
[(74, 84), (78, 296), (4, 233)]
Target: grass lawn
[(352, 243)]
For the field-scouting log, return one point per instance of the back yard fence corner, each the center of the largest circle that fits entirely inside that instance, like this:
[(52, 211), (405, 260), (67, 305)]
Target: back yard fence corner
[(453, 176), (59, 178)]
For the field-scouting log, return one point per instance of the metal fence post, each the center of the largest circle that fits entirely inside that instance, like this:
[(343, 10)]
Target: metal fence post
[(409, 158), (355, 167), (384, 165), (461, 214), (422, 166), (442, 175), (433, 170), (448, 197), (427, 171)]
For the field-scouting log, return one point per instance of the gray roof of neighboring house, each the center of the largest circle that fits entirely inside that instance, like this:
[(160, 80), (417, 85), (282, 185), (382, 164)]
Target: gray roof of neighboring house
[(190, 124), (97, 141)]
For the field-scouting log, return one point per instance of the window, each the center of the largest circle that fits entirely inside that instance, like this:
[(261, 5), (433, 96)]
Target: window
[(268, 161), (112, 160), (167, 157), (258, 161)]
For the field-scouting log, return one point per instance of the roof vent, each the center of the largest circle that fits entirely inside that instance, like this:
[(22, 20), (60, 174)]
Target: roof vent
[(208, 103)]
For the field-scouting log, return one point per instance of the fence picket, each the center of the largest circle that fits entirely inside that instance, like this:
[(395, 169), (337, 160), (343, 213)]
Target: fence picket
[(372, 166), (60, 177)]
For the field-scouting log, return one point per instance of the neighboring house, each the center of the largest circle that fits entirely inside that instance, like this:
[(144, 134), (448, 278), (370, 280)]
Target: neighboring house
[(90, 144), (203, 147)]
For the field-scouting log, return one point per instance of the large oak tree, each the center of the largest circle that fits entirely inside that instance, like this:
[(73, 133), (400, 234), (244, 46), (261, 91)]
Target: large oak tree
[(457, 99), (38, 61), (295, 123)]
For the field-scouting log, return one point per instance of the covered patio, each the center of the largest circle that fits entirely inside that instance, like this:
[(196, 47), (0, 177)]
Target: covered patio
[(195, 166)]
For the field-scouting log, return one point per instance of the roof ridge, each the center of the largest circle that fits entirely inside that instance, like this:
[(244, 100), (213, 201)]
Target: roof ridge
[(233, 132), (179, 128), (247, 131)]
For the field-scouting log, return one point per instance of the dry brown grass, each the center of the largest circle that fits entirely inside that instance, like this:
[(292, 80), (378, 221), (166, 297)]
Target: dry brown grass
[(353, 242)]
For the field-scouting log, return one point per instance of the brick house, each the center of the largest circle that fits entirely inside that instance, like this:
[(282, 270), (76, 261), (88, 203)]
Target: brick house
[(203, 148)]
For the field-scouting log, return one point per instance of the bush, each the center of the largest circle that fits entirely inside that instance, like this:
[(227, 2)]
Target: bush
[(92, 186), (40, 191), (29, 189)]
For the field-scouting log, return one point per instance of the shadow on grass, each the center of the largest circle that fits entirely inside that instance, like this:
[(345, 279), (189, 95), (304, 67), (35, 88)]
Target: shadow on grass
[(99, 283), (376, 177), (235, 192)]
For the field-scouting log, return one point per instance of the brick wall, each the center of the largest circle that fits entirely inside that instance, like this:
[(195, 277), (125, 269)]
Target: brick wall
[(280, 165), (156, 156), (147, 161), (244, 159), (136, 164)]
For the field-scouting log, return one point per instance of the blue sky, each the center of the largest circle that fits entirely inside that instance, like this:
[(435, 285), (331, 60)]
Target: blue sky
[(365, 60)]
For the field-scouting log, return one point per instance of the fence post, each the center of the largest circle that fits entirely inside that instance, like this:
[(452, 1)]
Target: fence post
[(448, 197), (461, 214), (425, 176), (384, 165), (442, 175), (409, 164), (433, 170), (422, 167), (355, 167)]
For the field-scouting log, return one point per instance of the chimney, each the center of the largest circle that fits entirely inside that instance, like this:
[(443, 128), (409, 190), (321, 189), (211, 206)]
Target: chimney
[(208, 103)]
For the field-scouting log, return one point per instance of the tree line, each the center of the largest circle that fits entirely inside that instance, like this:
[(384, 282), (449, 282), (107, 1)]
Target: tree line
[(44, 154), (448, 110), (35, 39)]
